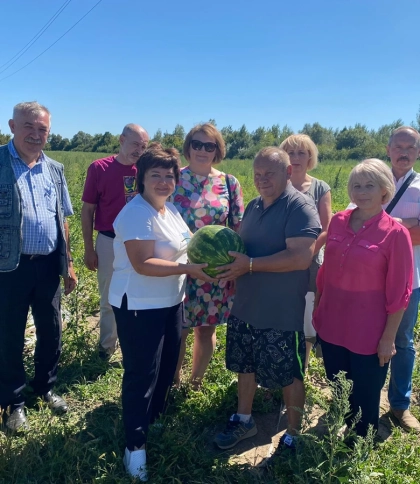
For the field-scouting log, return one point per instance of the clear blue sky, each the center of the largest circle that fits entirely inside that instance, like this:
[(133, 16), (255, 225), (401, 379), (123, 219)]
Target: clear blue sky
[(259, 63)]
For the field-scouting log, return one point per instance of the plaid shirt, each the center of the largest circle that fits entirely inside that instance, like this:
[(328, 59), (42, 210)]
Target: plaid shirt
[(39, 204)]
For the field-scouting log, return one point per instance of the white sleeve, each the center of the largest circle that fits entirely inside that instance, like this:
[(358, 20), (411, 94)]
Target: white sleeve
[(135, 223)]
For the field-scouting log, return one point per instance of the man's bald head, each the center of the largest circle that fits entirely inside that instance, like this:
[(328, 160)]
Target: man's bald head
[(405, 129), (275, 155), (131, 128), (133, 142)]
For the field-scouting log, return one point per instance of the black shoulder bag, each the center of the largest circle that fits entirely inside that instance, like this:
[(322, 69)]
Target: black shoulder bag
[(230, 214), (400, 193)]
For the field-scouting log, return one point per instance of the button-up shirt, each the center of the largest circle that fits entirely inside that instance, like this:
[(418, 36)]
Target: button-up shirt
[(365, 276), (408, 206), (39, 204)]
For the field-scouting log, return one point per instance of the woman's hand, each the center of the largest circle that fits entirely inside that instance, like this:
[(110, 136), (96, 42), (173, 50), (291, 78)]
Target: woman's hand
[(196, 271), (232, 271), (386, 350)]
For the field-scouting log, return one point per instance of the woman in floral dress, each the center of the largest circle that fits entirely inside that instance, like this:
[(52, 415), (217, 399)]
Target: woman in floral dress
[(206, 196)]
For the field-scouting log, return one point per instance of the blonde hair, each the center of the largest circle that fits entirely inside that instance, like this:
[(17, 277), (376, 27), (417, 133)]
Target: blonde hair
[(209, 130), (376, 171), (295, 141)]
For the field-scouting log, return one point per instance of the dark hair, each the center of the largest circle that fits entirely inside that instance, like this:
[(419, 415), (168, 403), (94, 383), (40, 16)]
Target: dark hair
[(157, 156)]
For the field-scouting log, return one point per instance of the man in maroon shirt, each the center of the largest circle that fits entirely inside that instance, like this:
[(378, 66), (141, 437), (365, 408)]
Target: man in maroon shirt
[(110, 184)]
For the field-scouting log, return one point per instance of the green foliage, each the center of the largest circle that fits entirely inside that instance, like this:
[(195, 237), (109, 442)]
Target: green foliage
[(4, 138), (350, 143)]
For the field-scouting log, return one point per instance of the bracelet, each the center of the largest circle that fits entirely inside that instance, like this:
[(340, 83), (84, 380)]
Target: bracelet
[(69, 259), (250, 265)]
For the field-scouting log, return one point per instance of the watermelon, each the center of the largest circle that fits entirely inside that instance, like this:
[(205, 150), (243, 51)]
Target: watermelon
[(211, 244)]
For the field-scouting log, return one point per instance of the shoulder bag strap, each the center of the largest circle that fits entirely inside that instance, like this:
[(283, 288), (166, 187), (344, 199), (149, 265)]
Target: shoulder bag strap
[(230, 214), (400, 193)]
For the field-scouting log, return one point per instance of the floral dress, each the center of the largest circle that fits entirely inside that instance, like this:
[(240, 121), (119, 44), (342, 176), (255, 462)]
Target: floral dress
[(204, 200)]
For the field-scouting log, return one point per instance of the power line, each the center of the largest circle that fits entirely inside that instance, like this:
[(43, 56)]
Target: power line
[(35, 38), (48, 48)]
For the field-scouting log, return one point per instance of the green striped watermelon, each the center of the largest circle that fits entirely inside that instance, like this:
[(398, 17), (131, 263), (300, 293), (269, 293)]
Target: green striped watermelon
[(210, 244)]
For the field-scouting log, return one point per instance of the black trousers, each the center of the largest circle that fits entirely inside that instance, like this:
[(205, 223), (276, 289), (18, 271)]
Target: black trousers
[(368, 379), (150, 340), (36, 284)]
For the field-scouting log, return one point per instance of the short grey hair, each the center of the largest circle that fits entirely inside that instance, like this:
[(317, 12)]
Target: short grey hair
[(376, 171), (274, 153), (31, 107), (405, 128)]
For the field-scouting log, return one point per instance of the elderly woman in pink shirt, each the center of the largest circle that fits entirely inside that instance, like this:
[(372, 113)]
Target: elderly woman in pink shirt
[(363, 287)]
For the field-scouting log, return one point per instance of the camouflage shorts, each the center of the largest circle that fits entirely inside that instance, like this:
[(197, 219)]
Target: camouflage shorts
[(276, 357)]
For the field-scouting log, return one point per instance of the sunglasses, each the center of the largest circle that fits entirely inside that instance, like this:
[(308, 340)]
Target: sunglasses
[(197, 145)]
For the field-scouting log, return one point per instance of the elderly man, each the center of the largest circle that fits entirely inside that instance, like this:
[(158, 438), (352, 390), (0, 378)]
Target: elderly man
[(403, 149), (265, 339), (34, 252), (110, 184)]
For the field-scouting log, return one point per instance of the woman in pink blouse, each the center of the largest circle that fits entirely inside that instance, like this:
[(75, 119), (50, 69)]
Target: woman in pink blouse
[(363, 288)]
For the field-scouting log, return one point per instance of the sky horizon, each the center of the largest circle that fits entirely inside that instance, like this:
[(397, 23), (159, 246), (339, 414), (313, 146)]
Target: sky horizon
[(162, 64)]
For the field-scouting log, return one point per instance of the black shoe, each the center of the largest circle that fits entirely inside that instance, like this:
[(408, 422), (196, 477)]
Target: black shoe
[(55, 402), (105, 354), (17, 420)]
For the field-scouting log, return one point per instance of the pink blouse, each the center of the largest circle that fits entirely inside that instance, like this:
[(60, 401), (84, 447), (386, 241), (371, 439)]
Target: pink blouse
[(365, 276)]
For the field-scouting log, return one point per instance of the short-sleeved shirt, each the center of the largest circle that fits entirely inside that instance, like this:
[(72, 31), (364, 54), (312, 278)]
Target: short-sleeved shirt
[(140, 221), (275, 299), (316, 191), (365, 276), (109, 185)]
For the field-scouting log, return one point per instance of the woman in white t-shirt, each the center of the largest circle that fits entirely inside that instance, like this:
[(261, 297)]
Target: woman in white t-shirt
[(146, 293)]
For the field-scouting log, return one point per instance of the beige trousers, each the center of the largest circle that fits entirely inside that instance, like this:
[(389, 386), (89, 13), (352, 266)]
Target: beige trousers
[(107, 327)]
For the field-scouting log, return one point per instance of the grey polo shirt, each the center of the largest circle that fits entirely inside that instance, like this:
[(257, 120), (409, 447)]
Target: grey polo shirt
[(275, 299)]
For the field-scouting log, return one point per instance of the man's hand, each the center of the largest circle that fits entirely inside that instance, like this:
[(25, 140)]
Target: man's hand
[(91, 259), (70, 281), (386, 350), (237, 268)]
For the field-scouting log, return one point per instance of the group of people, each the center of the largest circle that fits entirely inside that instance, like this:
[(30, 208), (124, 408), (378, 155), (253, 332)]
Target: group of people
[(358, 298)]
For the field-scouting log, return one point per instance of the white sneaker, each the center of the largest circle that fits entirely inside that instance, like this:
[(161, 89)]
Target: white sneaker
[(135, 463)]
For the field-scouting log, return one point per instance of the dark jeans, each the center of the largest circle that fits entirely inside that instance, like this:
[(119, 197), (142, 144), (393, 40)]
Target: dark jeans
[(36, 284), (150, 340), (368, 379)]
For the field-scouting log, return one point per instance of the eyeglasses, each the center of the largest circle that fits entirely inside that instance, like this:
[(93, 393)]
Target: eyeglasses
[(197, 145)]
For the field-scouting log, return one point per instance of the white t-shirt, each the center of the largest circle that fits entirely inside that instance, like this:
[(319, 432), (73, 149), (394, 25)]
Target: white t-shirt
[(138, 220), (408, 206)]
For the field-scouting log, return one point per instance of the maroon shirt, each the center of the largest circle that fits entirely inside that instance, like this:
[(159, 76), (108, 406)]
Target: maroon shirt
[(109, 185)]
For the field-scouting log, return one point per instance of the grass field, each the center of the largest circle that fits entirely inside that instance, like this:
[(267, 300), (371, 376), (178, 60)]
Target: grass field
[(86, 445)]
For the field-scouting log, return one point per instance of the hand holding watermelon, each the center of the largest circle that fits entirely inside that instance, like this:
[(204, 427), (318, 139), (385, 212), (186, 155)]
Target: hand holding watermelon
[(238, 268), (214, 244), (197, 271)]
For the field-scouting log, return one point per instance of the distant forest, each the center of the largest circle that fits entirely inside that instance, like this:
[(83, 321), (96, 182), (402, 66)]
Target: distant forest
[(354, 142)]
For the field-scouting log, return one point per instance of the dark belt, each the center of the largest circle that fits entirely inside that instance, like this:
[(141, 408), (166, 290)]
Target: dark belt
[(108, 233), (34, 256)]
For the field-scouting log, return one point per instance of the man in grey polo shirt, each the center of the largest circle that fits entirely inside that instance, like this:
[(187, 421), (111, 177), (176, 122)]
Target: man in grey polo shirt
[(265, 339)]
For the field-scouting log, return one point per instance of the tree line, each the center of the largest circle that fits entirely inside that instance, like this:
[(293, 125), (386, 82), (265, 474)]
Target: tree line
[(354, 142)]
